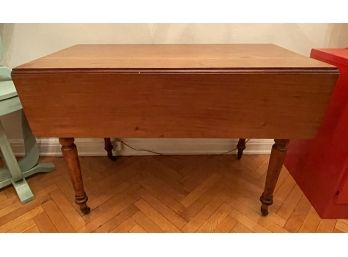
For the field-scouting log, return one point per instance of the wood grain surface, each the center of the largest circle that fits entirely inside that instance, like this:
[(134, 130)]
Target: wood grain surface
[(251, 105), (176, 56)]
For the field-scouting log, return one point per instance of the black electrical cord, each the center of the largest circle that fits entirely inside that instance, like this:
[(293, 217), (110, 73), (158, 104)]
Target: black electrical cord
[(140, 150), (150, 151)]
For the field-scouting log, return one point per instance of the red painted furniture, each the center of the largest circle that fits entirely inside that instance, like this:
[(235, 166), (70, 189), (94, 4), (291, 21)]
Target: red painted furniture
[(320, 165)]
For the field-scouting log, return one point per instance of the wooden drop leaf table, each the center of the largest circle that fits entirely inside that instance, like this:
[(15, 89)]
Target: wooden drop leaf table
[(175, 91)]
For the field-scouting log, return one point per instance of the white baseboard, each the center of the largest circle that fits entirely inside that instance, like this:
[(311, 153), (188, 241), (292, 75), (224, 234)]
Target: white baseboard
[(95, 147)]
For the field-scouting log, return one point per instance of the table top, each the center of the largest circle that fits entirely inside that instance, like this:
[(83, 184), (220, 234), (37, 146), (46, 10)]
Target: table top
[(175, 91), (184, 56)]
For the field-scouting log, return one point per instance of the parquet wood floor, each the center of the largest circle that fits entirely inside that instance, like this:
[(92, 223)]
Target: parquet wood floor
[(215, 193)]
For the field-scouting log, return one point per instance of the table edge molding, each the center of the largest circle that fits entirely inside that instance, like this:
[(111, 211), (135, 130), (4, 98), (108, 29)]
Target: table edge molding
[(330, 70)]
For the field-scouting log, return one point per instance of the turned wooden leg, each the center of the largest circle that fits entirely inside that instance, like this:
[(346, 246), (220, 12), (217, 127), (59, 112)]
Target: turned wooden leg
[(108, 148), (72, 161), (275, 164), (240, 146)]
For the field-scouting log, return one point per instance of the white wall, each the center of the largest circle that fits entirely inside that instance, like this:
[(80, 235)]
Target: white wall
[(24, 42)]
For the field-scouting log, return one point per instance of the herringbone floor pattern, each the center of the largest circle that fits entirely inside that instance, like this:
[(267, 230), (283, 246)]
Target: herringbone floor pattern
[(163, 194)]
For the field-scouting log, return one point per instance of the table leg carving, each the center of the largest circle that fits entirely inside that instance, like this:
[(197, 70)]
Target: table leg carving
[(71, 158), (275, 164), (108, 148), (240, 147)]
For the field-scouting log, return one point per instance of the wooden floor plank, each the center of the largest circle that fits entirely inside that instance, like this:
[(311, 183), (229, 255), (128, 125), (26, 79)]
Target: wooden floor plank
[(25, 225), (137, 229), (240, 228), (3, 197), (163, 195), (67, 209), (20, 209), (211, 224), (27, 215), (326, 226), (57, 217), (215, 193), (197, 192), (298, 216), (32, 229), (9, 206), (311, 222), (44, 224), (155, 216), (164, 210), (342, 225), (125, 226), (147, 224), (209, 196), (115, 221), (108, 210), (226, 225), (203, 215), (290, 203), (247, 222)]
